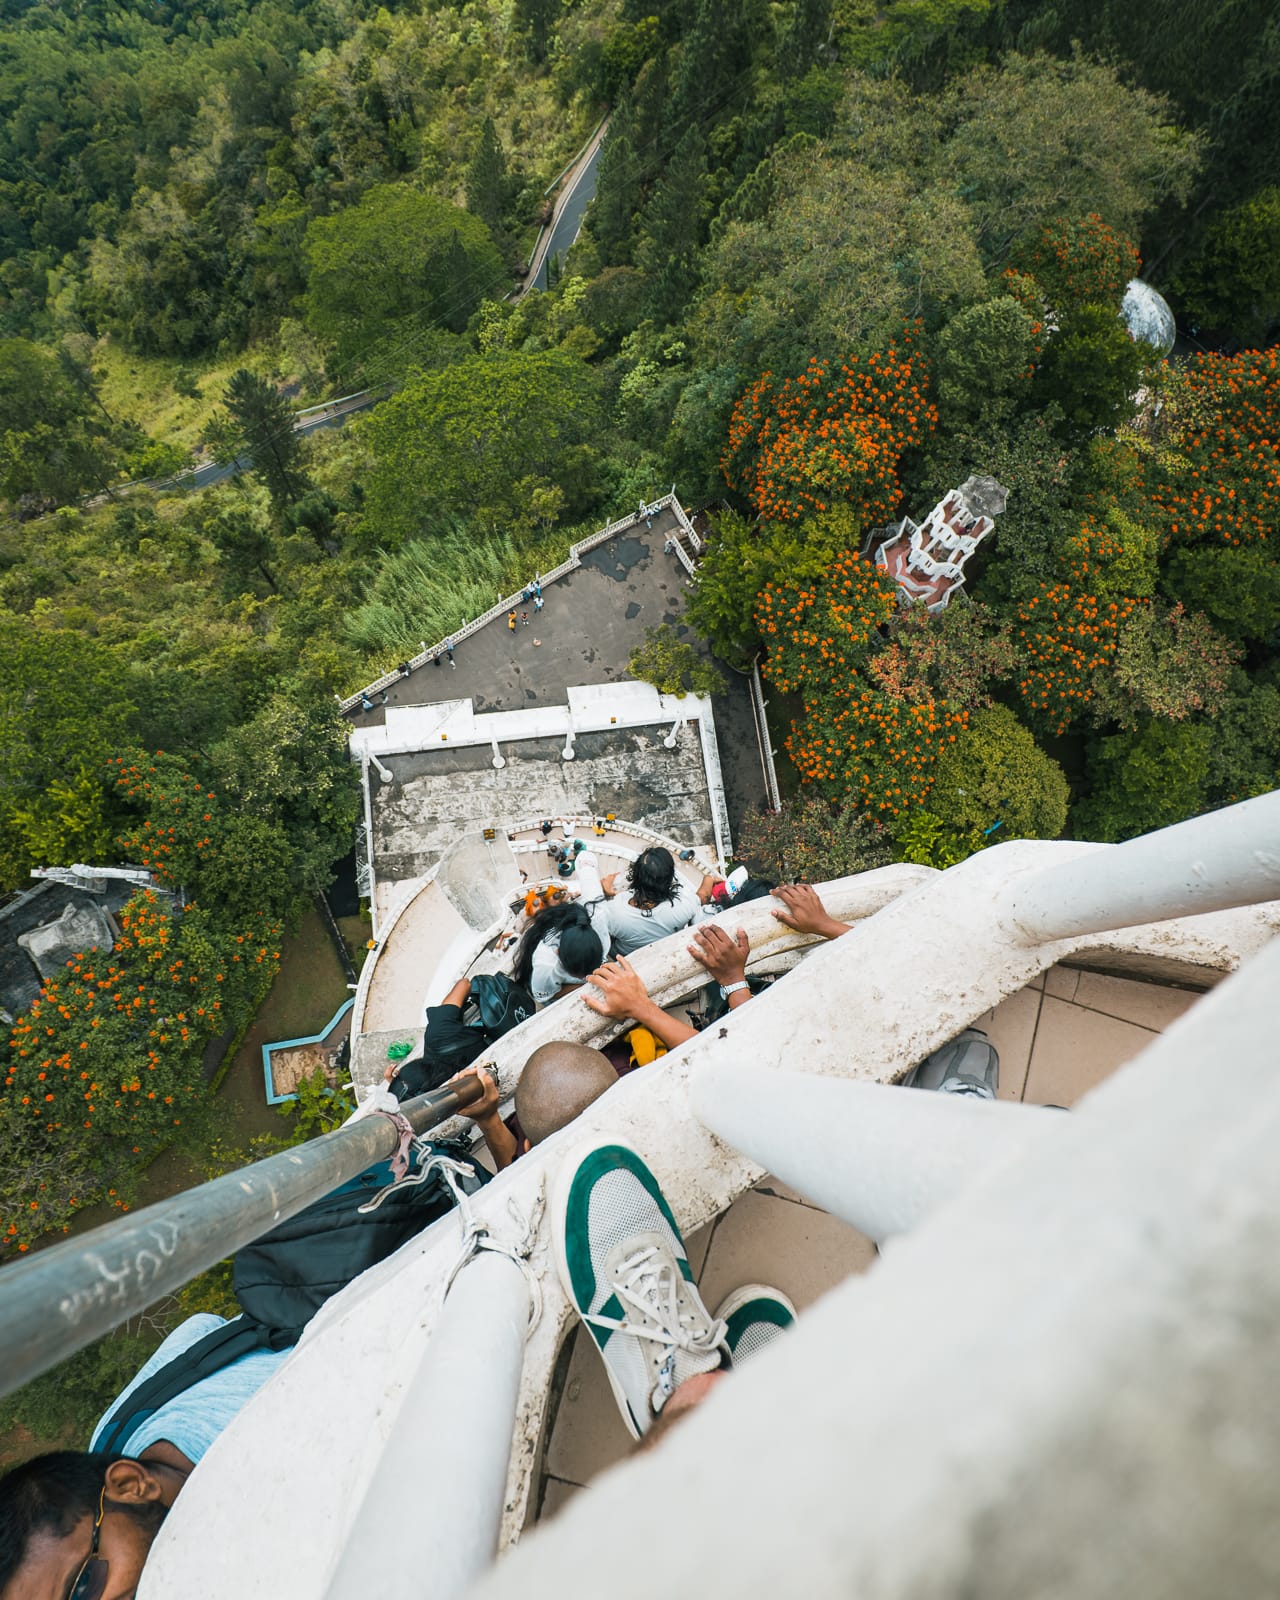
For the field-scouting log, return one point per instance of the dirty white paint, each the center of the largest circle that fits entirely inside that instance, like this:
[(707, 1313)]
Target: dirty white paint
[(1063, 1384), (934, 952)]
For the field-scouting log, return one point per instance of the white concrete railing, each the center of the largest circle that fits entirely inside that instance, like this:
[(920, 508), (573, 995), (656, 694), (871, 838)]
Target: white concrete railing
[(1065, 1379), (880, 1386), (504, 605)]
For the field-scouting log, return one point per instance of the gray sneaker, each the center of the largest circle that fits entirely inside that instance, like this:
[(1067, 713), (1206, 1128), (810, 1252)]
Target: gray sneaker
[(623, 1265), (754, 1316), (967, 1064)]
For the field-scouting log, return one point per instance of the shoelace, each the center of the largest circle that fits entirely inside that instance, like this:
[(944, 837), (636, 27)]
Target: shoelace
[(648, 1283)]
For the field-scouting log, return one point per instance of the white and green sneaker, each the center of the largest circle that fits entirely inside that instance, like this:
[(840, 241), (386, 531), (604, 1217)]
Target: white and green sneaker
[(753, 1317), (624, 1267)]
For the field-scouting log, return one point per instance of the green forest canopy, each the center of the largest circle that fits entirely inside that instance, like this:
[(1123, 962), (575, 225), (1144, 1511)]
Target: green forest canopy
[(266, 204)]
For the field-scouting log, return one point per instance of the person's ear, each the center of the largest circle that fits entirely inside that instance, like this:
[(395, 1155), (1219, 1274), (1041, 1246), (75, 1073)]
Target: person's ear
[(133, 1483)]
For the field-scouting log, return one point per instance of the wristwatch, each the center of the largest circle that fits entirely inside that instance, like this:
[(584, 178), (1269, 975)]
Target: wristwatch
[(726, 989)]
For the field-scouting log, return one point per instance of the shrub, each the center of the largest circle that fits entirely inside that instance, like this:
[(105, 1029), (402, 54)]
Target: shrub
[(928, 841), (672, 666), (996, 773), (810, 840)]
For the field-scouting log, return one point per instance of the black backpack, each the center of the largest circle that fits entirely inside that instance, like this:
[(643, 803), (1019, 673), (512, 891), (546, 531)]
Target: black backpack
[(497, 1004), (282, 1279)]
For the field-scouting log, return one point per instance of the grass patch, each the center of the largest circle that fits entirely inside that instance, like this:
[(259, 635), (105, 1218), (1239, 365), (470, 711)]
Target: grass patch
[(144, 389)]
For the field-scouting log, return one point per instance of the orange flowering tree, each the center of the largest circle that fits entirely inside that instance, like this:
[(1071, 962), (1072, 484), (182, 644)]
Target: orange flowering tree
[(857, 743), (175, 838), (1068, 632), (868, 748), (834, 434), (819, 634), (1220, 484), (107, 1061), (1081, 263), (224, 857)]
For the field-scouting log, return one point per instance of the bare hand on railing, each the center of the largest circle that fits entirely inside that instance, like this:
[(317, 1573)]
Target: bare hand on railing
[(486, 1107), (622, 993), (484, 1113), (803, 910), (724, 958)]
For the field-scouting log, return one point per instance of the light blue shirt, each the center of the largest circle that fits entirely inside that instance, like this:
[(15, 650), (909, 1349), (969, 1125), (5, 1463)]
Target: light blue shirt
[(192, 1420)]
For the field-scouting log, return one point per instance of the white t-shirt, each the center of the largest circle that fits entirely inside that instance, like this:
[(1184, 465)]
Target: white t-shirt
[(548, 976), (633, 928)]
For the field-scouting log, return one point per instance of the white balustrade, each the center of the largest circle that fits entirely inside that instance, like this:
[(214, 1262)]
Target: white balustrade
[(898, 1154), (1211, 863), (429, 1523), (1064, 1380)]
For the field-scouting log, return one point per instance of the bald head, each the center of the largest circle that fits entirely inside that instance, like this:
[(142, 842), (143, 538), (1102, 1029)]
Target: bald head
[(558, 1083)]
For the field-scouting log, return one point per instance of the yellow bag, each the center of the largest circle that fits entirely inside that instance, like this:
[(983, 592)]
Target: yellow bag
[(645, 1047)]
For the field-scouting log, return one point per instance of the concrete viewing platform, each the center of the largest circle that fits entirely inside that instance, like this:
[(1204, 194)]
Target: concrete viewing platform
[(592, 618)]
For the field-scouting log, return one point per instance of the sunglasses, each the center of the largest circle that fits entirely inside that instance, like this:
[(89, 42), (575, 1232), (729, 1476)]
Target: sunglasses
[(91, 1579)]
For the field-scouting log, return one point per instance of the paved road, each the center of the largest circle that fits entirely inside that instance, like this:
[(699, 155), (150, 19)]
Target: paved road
[(577, 196), (216, 472)]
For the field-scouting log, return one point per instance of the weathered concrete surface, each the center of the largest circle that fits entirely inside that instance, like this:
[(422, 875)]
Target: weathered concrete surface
[(439, 794), (591, 621)]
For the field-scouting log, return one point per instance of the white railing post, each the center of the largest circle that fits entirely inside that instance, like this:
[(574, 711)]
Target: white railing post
[(1069, 1369), (897, 1154), (1226, 858), (447, 1457)]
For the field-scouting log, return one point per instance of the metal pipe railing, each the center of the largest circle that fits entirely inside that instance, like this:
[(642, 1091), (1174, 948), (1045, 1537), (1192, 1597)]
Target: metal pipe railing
[(60, 1300), (1223, 859)]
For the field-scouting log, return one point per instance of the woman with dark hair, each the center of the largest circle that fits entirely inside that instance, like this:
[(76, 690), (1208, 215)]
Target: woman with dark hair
[(659, 903), (567, 941)]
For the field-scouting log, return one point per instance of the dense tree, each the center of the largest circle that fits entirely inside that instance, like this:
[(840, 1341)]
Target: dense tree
[(1147, 779), (1090, 370), (486, 181), (1169, 663), (258, 428), (985, 355), (715, 57), (1039, 137), (803, 36), (462, 440), (63, 704), (844, 252), (1238, 589), (1233, 282), (54, 441), (995, 773), (406, 252), (618, 188), (671, 229), (289, 767)]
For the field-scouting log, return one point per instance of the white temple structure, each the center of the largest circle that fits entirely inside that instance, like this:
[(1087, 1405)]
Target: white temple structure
[(927, 560)]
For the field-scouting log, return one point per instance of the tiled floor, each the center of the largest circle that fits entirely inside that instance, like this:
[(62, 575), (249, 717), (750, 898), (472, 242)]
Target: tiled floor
[(1056, 1039), (1068, 1030)]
